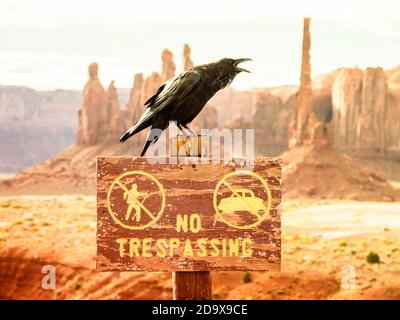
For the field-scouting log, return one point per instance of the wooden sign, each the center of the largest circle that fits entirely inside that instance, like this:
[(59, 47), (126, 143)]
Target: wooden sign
[(188, 217)]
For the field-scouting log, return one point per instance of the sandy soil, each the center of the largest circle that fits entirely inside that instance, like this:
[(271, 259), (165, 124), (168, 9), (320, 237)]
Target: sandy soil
[(336, 237), (323, 243)]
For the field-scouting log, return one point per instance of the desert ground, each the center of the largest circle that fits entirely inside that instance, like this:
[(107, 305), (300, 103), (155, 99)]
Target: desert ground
[(325, 244)]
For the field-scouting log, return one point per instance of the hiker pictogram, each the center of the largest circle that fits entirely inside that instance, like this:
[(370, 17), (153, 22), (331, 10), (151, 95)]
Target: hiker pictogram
[(132, 197), (134, 188), (240, 207)]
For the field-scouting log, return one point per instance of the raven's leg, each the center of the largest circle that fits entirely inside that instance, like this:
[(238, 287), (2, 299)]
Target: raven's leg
[(154, 134), (183, 131), (145, 147), (193, 133), (178, 124), (151, 138)]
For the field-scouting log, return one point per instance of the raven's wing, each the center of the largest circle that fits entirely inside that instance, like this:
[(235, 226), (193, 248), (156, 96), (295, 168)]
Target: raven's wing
[(175, 88)]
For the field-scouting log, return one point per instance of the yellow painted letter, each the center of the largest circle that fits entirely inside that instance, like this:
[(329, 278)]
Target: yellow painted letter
[(247, 252), (161, 244), (181, 223), (121, 242), (214, 243), (134, 247), (233, 247), (146, 251), (202, 247), (195, 223), (188, 250), (173, 244)]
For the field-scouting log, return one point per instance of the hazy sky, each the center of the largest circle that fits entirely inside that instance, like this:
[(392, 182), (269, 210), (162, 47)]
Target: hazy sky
[(47, 44)]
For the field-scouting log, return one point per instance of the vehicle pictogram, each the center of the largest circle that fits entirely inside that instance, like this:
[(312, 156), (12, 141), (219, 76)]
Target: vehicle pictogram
[(238, 206)]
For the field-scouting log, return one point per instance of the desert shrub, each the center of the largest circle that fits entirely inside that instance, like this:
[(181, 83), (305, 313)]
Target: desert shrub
[(343, 243), (216, 296), (373, 257), (246, 277)]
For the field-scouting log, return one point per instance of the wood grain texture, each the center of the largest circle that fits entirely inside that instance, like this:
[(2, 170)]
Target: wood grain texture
[(194, 285), (189, 189)]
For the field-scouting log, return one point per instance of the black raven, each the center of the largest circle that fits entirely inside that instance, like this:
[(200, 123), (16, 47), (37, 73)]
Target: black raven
[(181, 98)]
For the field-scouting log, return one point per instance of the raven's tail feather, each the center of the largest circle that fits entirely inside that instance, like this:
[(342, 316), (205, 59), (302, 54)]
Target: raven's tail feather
[(129, 133), (133, 130), (152, 138), (144, 122)]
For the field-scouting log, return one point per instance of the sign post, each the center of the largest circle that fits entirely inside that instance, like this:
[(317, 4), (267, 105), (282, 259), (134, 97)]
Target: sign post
[(192, 285), (154, 214)]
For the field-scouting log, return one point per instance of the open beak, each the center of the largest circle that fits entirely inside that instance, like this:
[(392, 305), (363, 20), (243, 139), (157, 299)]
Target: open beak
[(237, 61)]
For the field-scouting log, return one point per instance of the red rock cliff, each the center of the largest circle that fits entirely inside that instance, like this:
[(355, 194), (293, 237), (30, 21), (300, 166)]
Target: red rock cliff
[(361, 105), (97, 116)]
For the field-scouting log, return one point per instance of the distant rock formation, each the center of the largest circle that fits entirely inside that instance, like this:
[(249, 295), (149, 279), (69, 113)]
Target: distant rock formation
[(305, 127), (393, 125), (239, 122), (360, 108), (300, 131), (97, 113), (232, 103), (325, 173), (116, 124), (393, 75), (93, 110), (35, 125), (168, 65), (150, 86), (270, 122), (187, 61), (134, 108), (373, 111), (18, 103), (207, 119)]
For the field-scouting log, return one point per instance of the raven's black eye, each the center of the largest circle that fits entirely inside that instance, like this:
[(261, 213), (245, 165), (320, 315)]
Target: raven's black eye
[(228, 61)]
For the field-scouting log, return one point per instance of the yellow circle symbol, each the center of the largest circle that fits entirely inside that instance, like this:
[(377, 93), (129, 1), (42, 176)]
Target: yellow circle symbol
[(134, 199), (241, 200)]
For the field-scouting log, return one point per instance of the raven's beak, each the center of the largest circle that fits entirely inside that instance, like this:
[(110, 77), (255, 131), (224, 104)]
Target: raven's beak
[(237, 61)]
